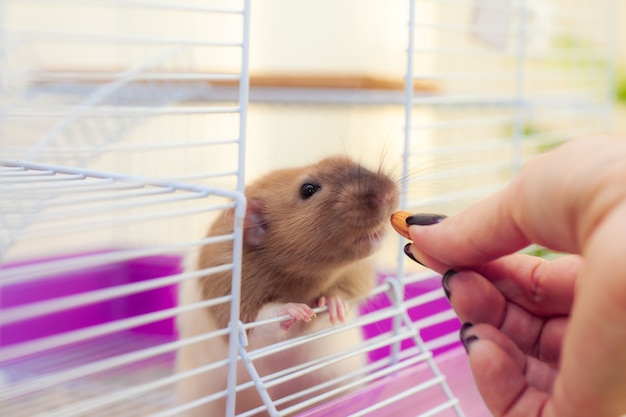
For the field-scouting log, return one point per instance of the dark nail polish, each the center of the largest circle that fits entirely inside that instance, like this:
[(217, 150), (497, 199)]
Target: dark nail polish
[(465, 327), (444, 282), (467, 340), (424, 219), (407, 252)]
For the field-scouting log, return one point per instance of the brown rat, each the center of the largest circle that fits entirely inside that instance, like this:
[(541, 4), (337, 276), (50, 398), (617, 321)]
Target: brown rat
[(308, 236)]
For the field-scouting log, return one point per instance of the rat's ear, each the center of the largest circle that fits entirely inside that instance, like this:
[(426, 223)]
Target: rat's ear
[(254, 224)]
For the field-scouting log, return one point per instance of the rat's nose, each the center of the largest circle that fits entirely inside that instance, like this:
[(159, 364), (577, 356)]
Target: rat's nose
[(377, 198), (383, 197)]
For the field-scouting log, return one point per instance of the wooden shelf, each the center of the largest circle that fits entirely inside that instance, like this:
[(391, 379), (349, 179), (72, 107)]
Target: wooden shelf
[(264, 88)]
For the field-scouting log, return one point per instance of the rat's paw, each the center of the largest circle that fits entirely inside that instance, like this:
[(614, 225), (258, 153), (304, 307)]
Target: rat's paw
[(337, 307), (297, 311)]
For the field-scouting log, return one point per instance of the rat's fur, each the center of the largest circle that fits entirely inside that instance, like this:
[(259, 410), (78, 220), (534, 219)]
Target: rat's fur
[(296, 250)]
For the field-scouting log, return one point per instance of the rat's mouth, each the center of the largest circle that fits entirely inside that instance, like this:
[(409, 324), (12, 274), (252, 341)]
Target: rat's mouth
[(372, 239), (378, 235)]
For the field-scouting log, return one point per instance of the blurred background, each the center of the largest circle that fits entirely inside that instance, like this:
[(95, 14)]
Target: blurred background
[(138, 87)]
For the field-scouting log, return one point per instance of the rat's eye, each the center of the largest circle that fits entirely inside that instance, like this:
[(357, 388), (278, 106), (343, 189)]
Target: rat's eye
[(308, 190)]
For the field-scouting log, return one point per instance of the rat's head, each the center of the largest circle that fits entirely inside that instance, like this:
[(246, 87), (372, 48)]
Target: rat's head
[(318, 216)]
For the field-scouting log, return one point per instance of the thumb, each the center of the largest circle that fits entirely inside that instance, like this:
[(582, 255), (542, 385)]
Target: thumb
[(479, 234), (556, 201)]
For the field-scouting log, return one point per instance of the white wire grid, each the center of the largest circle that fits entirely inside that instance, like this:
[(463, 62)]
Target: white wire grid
[(514, 78), (541, 74), (53, 365), (150, 66)]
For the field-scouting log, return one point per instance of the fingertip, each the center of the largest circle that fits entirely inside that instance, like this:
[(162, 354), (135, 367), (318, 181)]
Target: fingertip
[(501, 382), (474, 298), (411, 250), (425, 219), (497, 377), (409, 254), (445, 282), (466, 339)]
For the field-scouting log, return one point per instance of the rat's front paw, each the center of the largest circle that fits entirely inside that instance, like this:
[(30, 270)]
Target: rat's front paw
[(337, 307), (297, 311)]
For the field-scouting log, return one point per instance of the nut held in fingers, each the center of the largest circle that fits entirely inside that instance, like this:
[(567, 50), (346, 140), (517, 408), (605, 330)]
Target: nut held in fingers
[(398, 221)]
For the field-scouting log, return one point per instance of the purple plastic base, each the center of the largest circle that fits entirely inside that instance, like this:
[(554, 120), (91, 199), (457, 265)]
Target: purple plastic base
[(416, 313), (151, 267), (84, 281), (453, 363), (451, 359)]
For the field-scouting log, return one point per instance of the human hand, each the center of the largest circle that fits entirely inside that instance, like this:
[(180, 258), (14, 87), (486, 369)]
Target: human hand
[(549, 338)]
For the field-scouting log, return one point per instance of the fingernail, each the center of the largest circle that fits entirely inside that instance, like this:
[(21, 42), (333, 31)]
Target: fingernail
[(407, 252), (444, 282), (467, 340), (424, 219)]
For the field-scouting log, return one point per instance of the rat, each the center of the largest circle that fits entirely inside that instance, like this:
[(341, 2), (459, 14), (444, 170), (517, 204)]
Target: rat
[(308, 239)]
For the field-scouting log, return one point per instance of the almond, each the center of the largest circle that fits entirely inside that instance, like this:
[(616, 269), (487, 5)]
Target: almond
[(398, 221)]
